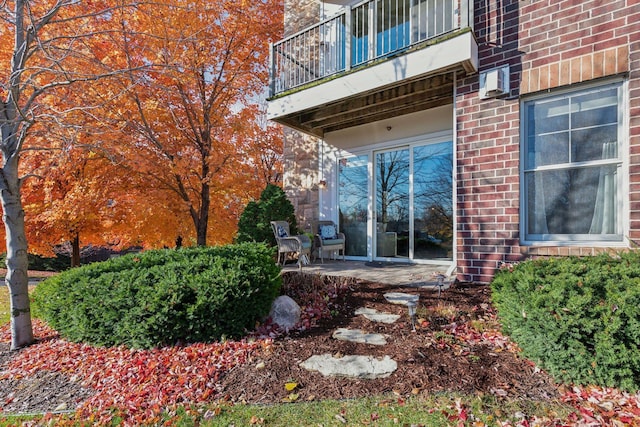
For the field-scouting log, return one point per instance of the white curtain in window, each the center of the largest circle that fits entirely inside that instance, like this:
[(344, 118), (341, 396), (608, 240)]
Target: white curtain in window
[(604, 213), (540, 209)]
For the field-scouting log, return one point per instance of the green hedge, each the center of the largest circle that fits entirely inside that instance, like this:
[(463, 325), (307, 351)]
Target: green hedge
[(162, 297), (578, 318), (41, 263)]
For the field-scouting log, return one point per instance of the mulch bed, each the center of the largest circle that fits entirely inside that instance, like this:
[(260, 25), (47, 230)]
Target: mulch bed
[(456, 347), (433, 358)]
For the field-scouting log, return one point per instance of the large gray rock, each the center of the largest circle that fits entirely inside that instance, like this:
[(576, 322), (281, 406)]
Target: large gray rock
[(285, 312), (367, 367)]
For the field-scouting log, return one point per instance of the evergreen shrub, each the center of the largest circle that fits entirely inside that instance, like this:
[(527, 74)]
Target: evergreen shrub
[(162, 297), (578, 318), (255, 221), (42, 263)]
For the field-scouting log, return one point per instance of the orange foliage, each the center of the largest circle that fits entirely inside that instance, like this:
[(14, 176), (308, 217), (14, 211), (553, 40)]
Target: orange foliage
[(168, 141), (188, 130)]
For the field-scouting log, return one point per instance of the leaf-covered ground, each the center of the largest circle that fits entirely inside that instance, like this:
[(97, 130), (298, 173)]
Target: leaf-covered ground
[(457, 346)]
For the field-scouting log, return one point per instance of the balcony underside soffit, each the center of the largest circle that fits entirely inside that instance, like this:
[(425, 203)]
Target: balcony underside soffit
[(408, 97)]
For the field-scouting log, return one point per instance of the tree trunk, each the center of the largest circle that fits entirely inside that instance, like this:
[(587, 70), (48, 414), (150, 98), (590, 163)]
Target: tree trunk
[(203, 220), (75, 251), (17, 278)]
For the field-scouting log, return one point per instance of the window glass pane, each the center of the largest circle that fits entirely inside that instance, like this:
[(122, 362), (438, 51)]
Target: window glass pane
[(433, 201), (594, 117), (393, 25), (549, 149), (594, 144), (359, 35), (392, 203), (353, 201), (572, 201), (549, 117), (594, 108)]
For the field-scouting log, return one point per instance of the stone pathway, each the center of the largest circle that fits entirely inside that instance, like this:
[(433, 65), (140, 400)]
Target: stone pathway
[(376, 316), (361, 366), (358, 336)]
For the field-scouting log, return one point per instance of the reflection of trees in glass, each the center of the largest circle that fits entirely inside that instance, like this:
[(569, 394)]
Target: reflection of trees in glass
[(353, 203), (353, 186), (433, 184), (392, 187)]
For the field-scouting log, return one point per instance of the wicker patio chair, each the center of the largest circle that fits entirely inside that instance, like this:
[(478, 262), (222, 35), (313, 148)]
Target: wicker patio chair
[(288, 244)]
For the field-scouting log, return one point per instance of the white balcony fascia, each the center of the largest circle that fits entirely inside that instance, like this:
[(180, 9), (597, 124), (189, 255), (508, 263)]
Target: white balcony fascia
[(461, 50)]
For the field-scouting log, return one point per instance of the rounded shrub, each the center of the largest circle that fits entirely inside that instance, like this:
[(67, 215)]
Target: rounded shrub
[(578, 318), (162, 297)]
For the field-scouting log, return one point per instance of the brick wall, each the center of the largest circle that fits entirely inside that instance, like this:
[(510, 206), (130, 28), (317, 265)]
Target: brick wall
[(548, 44)]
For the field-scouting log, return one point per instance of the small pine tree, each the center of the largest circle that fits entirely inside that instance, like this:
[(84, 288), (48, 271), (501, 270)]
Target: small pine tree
[(273, 205)]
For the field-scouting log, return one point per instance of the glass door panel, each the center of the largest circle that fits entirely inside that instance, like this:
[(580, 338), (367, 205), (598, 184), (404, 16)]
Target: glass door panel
[(353, 203), (393, 25), (433, 201), (392, 203)]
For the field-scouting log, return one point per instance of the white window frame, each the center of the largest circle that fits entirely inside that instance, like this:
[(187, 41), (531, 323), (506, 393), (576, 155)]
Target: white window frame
[(621, 161)]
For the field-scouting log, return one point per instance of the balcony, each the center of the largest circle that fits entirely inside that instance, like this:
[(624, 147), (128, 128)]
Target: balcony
[(376, 59)]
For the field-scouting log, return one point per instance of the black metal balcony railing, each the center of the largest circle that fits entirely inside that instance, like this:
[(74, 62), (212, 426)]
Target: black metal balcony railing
[(362, 33)]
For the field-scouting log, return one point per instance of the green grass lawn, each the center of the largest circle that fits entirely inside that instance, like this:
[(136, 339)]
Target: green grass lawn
[(5, 304), (433, 411), (438, 410), (4, 291)]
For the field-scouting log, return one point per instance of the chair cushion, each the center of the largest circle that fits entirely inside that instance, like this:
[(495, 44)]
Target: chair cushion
[(281, 231), (332, 242), (327, 232), (306, 244)]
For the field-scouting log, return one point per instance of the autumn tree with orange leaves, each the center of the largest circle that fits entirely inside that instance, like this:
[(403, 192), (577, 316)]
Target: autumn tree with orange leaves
[(187, 113), (49, 51), (170, 85)]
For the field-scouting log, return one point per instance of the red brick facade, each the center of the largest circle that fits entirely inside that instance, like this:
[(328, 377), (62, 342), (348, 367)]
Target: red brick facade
[(548, 45)]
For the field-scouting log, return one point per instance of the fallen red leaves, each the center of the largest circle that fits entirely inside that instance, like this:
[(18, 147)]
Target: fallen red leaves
[(600, 406), (137, 384)]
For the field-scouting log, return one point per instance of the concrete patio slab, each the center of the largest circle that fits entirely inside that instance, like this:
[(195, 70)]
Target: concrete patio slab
[(396, 273)]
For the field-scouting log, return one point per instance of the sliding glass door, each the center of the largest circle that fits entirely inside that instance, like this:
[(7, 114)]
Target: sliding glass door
[(392, 203), (433, 201), (353, 203), (398, 203)]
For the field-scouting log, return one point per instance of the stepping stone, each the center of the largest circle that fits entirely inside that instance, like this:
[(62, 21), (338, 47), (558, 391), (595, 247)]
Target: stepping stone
[(357, 336), (366, 367), (377, 316), (400, 298)]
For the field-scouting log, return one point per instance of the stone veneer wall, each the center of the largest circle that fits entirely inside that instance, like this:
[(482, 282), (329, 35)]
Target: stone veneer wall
[(300, 180), (548, 44)]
